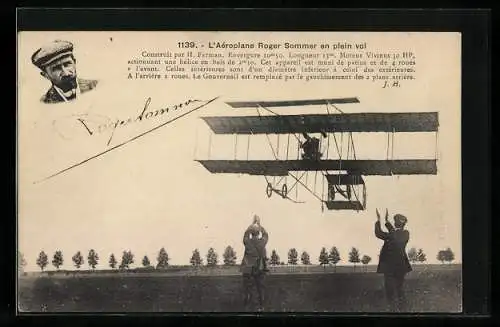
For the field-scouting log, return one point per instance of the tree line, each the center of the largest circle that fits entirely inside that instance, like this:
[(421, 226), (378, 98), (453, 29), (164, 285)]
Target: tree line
[(325, 258)]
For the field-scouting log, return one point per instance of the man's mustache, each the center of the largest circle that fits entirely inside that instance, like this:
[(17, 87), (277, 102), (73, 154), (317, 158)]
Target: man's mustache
[(68, 83)]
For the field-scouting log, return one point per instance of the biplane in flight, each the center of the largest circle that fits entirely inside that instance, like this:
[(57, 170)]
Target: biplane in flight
[(346, 188)]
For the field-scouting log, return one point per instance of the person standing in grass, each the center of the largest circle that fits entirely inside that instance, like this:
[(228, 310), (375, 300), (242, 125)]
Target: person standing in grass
[(253, 265), (393, 261)]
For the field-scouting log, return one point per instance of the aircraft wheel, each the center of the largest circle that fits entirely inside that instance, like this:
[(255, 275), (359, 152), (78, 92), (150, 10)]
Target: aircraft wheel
[(284, 191), (349, 192), (269, 190)]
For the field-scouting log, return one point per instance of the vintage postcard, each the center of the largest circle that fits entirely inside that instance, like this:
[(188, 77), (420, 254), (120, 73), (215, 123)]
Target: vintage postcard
[(239, 172)]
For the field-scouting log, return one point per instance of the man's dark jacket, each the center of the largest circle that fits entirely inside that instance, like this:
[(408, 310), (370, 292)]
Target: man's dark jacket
[(255, 253), (52, 96), (393, 258)]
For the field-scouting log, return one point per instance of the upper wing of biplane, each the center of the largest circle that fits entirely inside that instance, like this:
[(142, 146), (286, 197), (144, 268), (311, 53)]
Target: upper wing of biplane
[(356, 167), (290, 103), (358, 122)]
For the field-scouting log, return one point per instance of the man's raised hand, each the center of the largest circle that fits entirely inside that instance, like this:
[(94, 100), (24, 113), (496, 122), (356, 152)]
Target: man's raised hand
[(256, 220)]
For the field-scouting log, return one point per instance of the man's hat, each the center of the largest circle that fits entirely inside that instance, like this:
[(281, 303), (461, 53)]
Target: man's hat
[(402, 219), (51, 52)]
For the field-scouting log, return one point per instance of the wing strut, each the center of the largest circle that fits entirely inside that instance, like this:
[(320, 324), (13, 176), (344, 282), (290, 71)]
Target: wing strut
[(436, 147), (298, 154), (248, 145), (235, 145)]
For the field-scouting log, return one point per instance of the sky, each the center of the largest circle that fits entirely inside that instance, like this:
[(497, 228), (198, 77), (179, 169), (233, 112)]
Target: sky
[(152, 193)]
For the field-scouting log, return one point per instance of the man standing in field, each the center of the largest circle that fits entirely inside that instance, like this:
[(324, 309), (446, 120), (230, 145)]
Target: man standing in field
[(253, 265), (393, 261)]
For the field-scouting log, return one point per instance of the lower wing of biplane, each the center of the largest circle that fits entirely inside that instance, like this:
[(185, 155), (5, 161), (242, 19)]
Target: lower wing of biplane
[(346, 189), (352, 178)]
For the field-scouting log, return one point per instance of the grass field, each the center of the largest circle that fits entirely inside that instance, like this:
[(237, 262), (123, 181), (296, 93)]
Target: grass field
[(428, 288)]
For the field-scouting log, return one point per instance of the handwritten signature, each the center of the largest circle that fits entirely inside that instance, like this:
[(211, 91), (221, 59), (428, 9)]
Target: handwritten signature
[(123, 122), (98, 124)]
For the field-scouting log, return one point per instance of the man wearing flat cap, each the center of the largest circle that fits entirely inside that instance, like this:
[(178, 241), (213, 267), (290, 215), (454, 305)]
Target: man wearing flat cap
[(253, 265), (393, 261), (58, 64)]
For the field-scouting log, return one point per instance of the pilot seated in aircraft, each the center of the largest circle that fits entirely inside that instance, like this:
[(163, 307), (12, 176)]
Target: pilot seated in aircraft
[(311, 148)]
